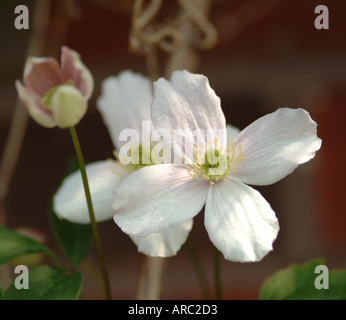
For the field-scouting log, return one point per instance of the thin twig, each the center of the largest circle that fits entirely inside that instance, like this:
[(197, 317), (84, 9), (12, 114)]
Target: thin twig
[(19, 122), (150, 278), (152, 63), (217, 274), (197, 15), (20, 116), (196, 263), (146, 34), (64, 12), (187, 57)]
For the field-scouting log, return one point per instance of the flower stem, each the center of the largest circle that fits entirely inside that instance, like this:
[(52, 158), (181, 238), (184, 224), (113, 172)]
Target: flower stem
[(91, 211), (150, 278), (55, 259), (217, 274), (198, 269)]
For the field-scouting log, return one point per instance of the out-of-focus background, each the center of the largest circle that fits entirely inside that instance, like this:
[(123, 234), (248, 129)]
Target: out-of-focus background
[(268, 55)]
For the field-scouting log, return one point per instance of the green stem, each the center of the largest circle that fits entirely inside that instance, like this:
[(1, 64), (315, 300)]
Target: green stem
[(198, 269), (217, 274), (91, 211), (55, 259)]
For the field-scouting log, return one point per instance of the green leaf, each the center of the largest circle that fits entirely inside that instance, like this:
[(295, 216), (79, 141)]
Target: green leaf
[(73, 239), (48, 283), (13, 245), (298, 283), (0, 293)]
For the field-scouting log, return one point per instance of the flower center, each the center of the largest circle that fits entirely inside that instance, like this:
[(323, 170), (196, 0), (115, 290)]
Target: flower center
[(139, 154), (213, 165), (46, 100), (216, 165)]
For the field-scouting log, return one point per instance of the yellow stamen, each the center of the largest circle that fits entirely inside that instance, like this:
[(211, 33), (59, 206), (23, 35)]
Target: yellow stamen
[(221, 165)]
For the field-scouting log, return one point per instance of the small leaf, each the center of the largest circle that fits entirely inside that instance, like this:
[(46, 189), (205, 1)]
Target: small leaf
[(337, 286), (13, 245), (73, 238), (298, 283), (47, 283)]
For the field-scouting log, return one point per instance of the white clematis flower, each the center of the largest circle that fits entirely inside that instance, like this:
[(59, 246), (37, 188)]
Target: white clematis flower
[(124, 103), (239, 221)]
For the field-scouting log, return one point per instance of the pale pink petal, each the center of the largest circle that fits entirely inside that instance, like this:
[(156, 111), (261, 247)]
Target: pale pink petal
[(239, 221), (74, 69), (124, 103), (156, 198), (33, 104), (166, 243), (275, 145), (187, 103), (42, 74), (70, 203)]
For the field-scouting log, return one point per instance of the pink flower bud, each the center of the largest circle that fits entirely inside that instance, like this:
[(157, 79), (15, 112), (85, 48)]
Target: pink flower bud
[(56, 95)]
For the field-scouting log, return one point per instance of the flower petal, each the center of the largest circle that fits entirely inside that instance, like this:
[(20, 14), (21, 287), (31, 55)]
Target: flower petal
[(32, 102), (239, 221), (125, 103), (68, 106), (275, 145), (187, 103), (70, 203), (42, 74), (166, 243), (156, 198), (74, 69)]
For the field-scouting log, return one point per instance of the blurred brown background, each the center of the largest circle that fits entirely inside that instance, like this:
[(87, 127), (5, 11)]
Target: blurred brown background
[(277, 60)]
